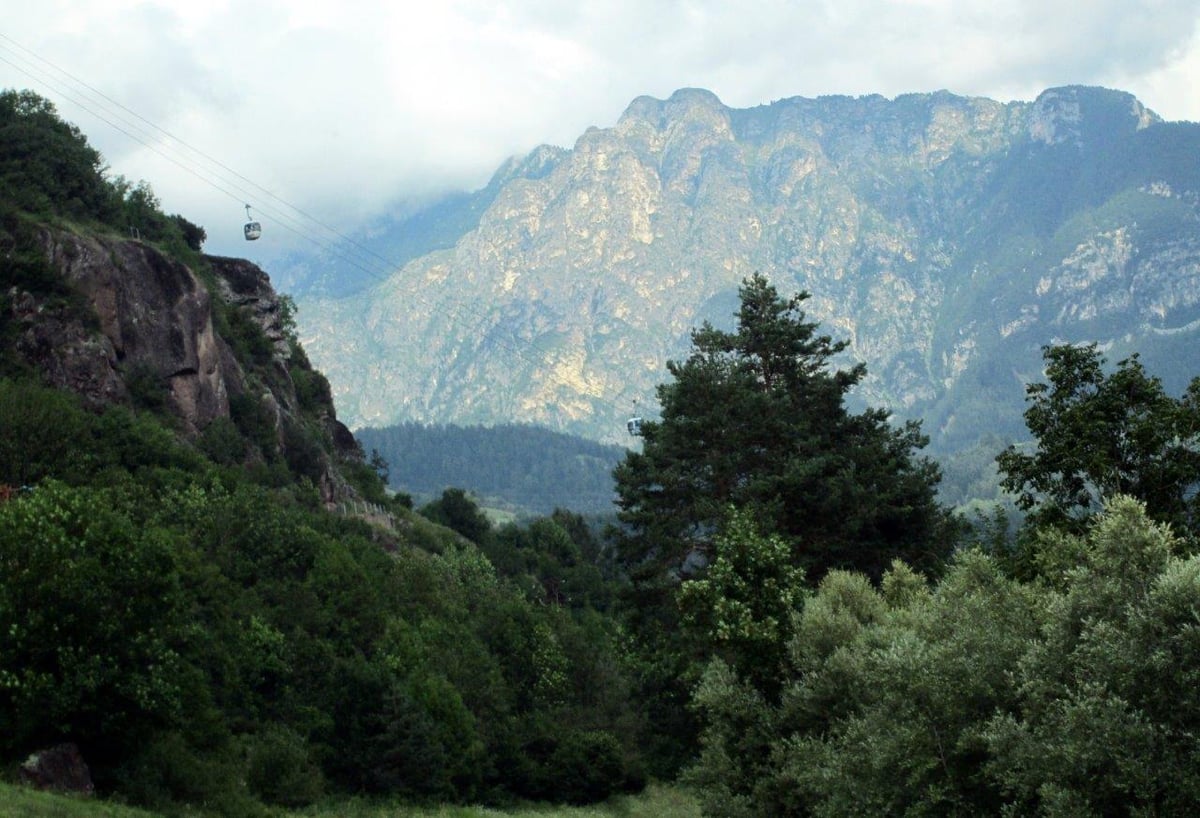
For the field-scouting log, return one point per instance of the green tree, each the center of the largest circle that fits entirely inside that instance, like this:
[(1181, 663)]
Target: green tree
[(92, 620), (42, 432), (1105, 723), (46, 164), (455, 510), (193, 234), (143, 212), (1099, 435), (756, 419), (747, 600)]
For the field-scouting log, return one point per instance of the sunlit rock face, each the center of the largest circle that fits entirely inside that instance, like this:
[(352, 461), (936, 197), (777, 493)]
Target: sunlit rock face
[(946, 238)]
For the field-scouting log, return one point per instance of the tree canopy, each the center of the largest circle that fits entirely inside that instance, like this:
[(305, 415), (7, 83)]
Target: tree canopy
[(1099, 435), (46, 164), (756, 419), (980, 695), (48, 167)]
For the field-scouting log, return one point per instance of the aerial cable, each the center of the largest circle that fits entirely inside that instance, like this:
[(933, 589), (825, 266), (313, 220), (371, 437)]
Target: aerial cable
[(214, 161), (136, 134), (282, 220), (513, 346), (218, 184), (215, 180)]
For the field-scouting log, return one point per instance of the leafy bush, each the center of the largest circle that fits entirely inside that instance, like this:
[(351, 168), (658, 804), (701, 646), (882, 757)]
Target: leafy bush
[(222, 443), (280, 770), (92, 623), (42, 432), (168, 771), (312, 390), (983, 695), (46, 164), (586, 767)]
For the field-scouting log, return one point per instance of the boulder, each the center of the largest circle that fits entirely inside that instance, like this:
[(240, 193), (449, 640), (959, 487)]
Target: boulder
[(59, 769)]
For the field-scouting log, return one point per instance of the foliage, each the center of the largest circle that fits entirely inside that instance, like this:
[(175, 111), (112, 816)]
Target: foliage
[(558, 559), (218, 642), (91, 622), (25, 264), (210, 640), (981, 695), (1108, 699), (42, 433), (746, 600), (754, 419), (48, 168), (457, 511), (1099, 435), (312, 389), (193, 235), (46, 165)]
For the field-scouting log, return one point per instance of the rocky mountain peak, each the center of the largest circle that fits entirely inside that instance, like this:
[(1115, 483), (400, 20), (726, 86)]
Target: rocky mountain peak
[(653, 122), (1067, 114)]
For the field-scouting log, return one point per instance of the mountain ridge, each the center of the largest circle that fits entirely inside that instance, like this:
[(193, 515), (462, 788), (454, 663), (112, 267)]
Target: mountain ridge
[(946, 238)]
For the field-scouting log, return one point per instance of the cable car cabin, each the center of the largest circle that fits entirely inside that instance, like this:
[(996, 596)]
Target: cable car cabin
[(634, 425), (252, 229)]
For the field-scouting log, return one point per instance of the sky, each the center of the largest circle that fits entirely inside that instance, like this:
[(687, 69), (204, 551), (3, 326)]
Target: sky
[(354, 109)]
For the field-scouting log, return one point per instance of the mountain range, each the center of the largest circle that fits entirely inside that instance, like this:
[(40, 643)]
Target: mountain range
[(947, 238)]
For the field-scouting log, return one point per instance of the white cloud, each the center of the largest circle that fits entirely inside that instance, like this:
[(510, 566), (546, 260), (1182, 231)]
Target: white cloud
[(341, 107)]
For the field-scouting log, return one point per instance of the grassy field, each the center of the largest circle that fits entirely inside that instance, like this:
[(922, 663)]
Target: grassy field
[(656, 802), (21, 802)]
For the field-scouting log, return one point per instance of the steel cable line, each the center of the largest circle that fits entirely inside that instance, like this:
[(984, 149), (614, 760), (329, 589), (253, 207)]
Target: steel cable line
[(112, 104), (219, 182), (228, 186)]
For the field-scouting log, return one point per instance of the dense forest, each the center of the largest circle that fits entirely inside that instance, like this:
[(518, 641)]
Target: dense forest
[(518, 467), (784, 617)]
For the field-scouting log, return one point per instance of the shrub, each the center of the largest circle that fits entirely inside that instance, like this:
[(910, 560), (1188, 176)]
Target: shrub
[(41, 432), (279, 769)]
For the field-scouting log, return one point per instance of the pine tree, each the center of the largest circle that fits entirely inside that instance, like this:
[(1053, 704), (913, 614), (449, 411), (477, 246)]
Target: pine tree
[(756, 418)]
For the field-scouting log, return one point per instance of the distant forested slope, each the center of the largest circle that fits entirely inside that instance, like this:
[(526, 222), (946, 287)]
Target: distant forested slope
[(526, 466)]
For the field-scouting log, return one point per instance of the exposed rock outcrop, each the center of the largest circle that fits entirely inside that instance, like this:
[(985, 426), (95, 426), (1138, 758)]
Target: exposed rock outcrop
[(147, 332), (155, 321), (58, 769)]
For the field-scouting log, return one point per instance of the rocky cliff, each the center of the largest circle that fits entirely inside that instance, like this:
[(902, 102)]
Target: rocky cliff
[(139, 327), (155, 320), (947, 238)]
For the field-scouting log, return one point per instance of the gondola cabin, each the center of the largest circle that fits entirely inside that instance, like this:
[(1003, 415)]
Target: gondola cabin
[(634, 425), (253, 229)]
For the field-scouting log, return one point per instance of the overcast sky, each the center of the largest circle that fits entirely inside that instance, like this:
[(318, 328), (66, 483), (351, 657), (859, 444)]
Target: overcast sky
[(344, 108)]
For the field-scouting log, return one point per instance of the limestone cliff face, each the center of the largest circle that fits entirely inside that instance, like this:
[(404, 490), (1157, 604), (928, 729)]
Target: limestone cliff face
[(947, 238)]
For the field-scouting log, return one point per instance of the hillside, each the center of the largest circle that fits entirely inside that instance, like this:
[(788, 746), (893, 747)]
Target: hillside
[(946, 238), (522, 468), (206, 590)]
